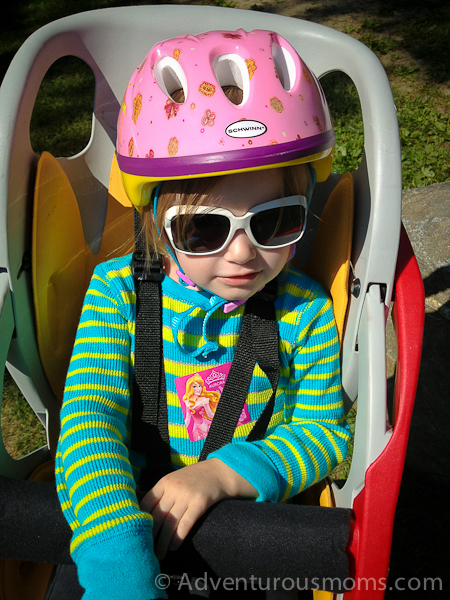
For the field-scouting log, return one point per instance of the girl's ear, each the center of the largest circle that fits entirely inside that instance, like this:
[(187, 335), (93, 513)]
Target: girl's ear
[(169, 267), (292, 252)]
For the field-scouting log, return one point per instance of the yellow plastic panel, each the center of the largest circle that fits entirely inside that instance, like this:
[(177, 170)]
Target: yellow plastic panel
[(325, 499), (116, 187), (322, 595), (59, 268), (331, 253)]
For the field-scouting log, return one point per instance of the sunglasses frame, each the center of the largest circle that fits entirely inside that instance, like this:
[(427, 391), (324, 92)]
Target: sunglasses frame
[(236, 223)]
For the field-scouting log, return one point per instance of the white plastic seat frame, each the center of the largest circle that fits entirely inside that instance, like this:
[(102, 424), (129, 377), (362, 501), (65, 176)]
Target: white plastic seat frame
[(113, 42)]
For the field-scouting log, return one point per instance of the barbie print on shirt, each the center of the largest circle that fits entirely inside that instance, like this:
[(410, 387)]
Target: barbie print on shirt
[(199, 395)]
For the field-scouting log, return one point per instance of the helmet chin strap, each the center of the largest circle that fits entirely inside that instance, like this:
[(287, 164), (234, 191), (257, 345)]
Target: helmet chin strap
[(227, 307), (185, 279)]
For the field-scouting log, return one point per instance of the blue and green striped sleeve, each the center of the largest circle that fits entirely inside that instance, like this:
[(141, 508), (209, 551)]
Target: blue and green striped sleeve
[(95, 479)]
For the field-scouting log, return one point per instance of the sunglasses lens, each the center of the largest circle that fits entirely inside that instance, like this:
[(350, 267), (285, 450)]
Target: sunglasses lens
[(200, 234), (278, 226)]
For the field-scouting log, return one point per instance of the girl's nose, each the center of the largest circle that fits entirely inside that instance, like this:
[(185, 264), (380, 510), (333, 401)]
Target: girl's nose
[(240, 249)]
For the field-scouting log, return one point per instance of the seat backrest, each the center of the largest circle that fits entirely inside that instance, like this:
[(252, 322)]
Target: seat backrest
[(113, 42)]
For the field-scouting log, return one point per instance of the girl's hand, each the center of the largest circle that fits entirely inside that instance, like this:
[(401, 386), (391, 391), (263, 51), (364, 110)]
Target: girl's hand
[(182, 497)]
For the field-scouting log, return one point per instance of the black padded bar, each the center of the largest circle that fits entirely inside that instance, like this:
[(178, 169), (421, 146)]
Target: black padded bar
[(235, 538)]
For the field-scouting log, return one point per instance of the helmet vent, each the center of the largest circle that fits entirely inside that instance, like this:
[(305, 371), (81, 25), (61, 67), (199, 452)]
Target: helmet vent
[(170, 77), (231, 70), (284, 66)]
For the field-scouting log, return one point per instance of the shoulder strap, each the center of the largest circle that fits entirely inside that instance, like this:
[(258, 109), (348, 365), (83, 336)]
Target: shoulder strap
[(258, 343), (150, 433)]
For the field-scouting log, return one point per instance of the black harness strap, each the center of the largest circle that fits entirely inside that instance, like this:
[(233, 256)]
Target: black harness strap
[(150, 433), (257, 343)]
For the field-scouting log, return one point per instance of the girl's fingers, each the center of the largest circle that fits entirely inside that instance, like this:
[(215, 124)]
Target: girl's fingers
[(151, 503), (166, 537), (180, 498), (158, 520), (150, 500), (174, 527)]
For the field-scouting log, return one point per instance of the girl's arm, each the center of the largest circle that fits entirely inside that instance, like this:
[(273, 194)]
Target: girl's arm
[(112, 539)]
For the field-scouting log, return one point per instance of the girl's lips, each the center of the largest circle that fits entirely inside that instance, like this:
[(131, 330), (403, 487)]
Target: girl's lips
[(239, 279)]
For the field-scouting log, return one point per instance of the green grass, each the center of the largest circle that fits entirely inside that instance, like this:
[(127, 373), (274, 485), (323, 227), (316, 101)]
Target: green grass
[(62, 115), (411, 40), (424, 133), (425, 140), (347, 121), (22, 431), (340, 473)]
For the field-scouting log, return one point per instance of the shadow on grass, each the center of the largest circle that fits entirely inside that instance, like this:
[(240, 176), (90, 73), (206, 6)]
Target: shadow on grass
[(421, 27), (22, 17)]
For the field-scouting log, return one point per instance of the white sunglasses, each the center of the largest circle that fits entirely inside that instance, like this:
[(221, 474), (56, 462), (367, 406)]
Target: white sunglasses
[(208, 229)]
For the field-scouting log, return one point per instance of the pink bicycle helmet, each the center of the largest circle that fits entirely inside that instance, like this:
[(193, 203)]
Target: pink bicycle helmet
[(283, 118)]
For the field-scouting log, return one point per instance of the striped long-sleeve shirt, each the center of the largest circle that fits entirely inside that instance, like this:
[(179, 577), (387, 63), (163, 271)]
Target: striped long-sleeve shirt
[(96, 469)]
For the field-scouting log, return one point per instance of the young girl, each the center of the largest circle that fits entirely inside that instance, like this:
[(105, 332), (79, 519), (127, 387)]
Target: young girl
[(220, 138)]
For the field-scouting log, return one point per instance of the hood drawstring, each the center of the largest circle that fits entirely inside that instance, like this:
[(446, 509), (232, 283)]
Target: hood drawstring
[(178, 322)]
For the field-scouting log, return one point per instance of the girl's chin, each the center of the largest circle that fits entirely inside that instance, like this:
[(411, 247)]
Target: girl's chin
[(233, 295)]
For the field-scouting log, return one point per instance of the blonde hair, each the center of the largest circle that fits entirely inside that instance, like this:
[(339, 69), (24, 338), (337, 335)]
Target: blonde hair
[(197, 191)]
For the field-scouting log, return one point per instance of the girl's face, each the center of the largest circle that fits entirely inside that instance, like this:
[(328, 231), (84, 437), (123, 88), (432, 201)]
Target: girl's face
[(239, 270)]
